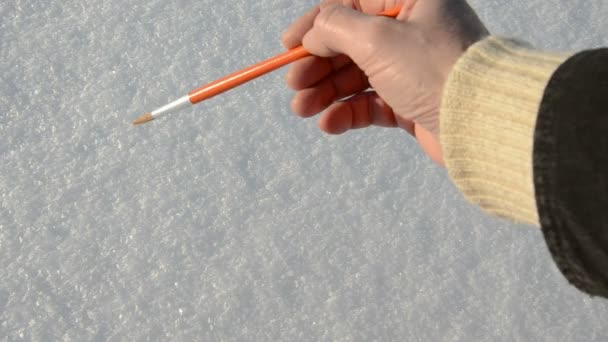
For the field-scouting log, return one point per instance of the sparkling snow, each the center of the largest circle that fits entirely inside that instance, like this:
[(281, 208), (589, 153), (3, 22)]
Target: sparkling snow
[(237, 220)]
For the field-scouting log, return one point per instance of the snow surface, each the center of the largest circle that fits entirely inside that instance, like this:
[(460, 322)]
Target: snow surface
[(235, 220)]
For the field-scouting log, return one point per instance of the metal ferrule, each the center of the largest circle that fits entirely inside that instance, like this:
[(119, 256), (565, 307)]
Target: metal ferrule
[(180, 103)]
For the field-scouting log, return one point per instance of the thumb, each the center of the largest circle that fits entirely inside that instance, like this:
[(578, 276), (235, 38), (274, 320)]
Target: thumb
[(341, 30)]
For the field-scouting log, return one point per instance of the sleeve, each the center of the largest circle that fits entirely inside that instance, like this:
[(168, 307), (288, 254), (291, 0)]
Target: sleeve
[(487, 118), (571, 169), (509, 164)]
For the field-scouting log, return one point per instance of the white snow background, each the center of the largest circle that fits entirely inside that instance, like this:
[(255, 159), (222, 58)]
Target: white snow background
[(236, 220)]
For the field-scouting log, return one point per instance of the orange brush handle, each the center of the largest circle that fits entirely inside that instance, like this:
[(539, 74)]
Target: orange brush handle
[(236, 79)]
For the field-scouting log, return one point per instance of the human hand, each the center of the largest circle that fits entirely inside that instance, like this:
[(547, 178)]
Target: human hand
[(406, 63)]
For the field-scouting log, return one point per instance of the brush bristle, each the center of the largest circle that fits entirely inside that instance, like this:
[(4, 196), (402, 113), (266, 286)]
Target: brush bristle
[(143, 119)]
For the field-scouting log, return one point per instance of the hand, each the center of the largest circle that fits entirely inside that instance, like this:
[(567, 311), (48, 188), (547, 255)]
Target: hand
[(405, 61)]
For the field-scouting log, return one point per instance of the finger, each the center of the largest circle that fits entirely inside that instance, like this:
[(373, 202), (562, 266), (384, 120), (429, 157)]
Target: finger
[(406, 11), (333, 30), (310, 70), (428, 10), (341, 30), (374, 7), (293, 36), (345, 82), (362, 110)]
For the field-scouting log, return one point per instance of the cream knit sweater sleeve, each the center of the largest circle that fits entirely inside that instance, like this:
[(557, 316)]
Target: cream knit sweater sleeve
[(487, 120)]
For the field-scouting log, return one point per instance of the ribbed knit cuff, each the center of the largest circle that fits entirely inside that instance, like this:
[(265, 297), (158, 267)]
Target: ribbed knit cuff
[(487, 120)]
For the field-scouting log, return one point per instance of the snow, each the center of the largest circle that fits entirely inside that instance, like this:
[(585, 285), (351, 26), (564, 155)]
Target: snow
[(237, 220)]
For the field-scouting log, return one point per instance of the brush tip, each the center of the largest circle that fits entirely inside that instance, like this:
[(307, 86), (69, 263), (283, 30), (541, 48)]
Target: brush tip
[(143, 119)]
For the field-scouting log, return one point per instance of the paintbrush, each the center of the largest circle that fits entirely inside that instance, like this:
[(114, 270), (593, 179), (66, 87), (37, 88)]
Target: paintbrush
[(236, 79)]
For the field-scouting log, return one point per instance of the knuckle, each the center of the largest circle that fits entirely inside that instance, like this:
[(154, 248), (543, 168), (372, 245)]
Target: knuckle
[(376, 33), (378, 29), (327, 16)]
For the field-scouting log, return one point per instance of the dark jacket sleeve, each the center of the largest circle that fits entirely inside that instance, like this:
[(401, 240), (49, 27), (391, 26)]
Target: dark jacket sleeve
[(570, 163)]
